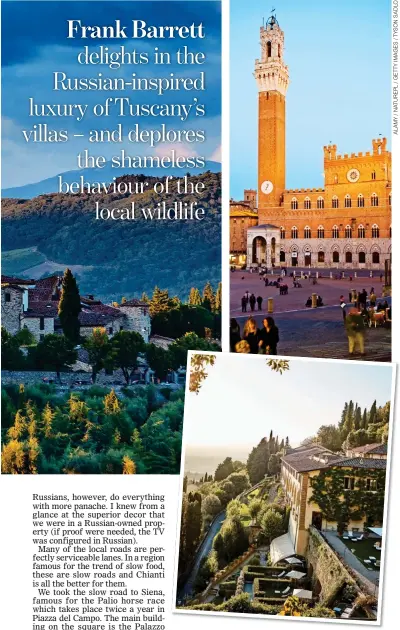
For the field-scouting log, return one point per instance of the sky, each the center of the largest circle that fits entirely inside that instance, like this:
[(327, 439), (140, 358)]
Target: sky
[(338, 53), (242, 399), (34, 45)]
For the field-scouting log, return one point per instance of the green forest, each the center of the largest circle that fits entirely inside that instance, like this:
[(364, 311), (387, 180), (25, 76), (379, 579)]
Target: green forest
[(45, 431), (117, 257)]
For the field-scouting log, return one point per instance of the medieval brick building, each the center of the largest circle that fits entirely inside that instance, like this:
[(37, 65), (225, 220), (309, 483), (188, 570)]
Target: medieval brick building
[(346, 224)]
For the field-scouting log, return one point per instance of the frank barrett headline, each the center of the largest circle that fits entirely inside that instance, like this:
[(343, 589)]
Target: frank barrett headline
[(138, 29)]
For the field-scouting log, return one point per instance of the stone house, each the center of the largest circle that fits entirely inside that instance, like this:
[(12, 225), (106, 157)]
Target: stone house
[(369, 451), (33, 304)]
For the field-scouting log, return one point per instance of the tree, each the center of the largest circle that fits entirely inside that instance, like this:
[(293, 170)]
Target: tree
[(372, 413), (159, 360), (224, 469), (274, 465), (233, 509), (190, 341), (357, 419), (160, 301), (128, 466), (255, 506), (55, 352), (194, 297), (69, 307), (211, 506), (100, 351), (330, 437), (127, 346), (208, 297), (218, 298), (11, 355), (185, 484), (272, 524), (240, 481)]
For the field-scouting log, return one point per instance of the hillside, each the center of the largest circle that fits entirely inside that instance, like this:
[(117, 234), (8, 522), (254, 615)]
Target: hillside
[(50, 185), (115, 258)]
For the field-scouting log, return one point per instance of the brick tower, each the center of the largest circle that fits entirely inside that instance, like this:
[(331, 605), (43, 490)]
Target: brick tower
[(272, 78)]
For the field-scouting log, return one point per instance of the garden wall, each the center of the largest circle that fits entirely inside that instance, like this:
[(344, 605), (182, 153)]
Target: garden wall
[(328, 573)]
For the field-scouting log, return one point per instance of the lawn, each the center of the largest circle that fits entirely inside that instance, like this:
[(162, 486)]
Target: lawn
[(245, 515), (17, 260), (363, 549)]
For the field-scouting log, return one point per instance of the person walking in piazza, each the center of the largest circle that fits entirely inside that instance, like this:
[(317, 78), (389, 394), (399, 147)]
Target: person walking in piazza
[(252, 301), (372, 298), (343, 306), (355, 331), (244, 304), (259, 302)]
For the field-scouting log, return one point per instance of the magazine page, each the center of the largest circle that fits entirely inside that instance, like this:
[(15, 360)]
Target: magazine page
[(184, 182)]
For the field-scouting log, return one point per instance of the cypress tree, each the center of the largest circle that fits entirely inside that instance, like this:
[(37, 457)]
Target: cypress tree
[(208, 297), (194, 297), (218, 298), (364, 423), (372, 414), (69, 307), (160, 301)]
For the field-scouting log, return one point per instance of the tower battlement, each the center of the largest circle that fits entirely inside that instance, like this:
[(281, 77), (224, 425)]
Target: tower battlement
[(378, 148)]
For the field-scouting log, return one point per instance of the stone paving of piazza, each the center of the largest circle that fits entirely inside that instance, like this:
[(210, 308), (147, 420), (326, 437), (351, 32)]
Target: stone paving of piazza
[(308, 332)]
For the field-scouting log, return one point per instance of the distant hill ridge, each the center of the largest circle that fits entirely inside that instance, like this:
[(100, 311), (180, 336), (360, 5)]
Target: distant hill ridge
[(117, 258), (51, 184)]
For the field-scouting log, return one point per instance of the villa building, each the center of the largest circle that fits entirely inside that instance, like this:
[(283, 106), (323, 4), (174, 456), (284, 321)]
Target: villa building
[(331, 492), (33, 304)]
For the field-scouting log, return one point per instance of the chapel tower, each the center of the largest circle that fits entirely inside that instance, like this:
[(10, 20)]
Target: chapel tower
[(272, 78)]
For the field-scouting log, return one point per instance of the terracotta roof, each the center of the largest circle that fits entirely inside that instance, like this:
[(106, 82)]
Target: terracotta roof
[(241, 210), (373, 449), (317, 457), (134, 302), (361, 462), (42, 309), (13, 280), (98, 318), (313, 457)]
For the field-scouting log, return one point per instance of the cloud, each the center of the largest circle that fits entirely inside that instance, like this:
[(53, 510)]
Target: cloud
[(181, 150)]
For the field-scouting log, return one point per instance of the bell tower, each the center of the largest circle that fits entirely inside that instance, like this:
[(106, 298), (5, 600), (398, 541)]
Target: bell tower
[(272, 78)]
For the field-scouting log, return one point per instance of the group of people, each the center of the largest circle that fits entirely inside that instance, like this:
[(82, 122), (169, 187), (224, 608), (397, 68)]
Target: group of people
[(251, 300), (309, 301), (254, 339)]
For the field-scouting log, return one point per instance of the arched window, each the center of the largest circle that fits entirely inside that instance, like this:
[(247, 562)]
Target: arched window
[(348, 232), (374, 199), (390, 199), (321, 257), (335, 257), (375, 258), (269, 49), (320, 232), (307, 232), (307, 203), (294, 204), (335, 232), (282, 256), (361, 257), (347, 201), (375, 231), (320, 202), (373, 175), (294, 232), (335, 202), (349, 257), (283, 233), (279, 50), (360, 201), (361, 231)]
